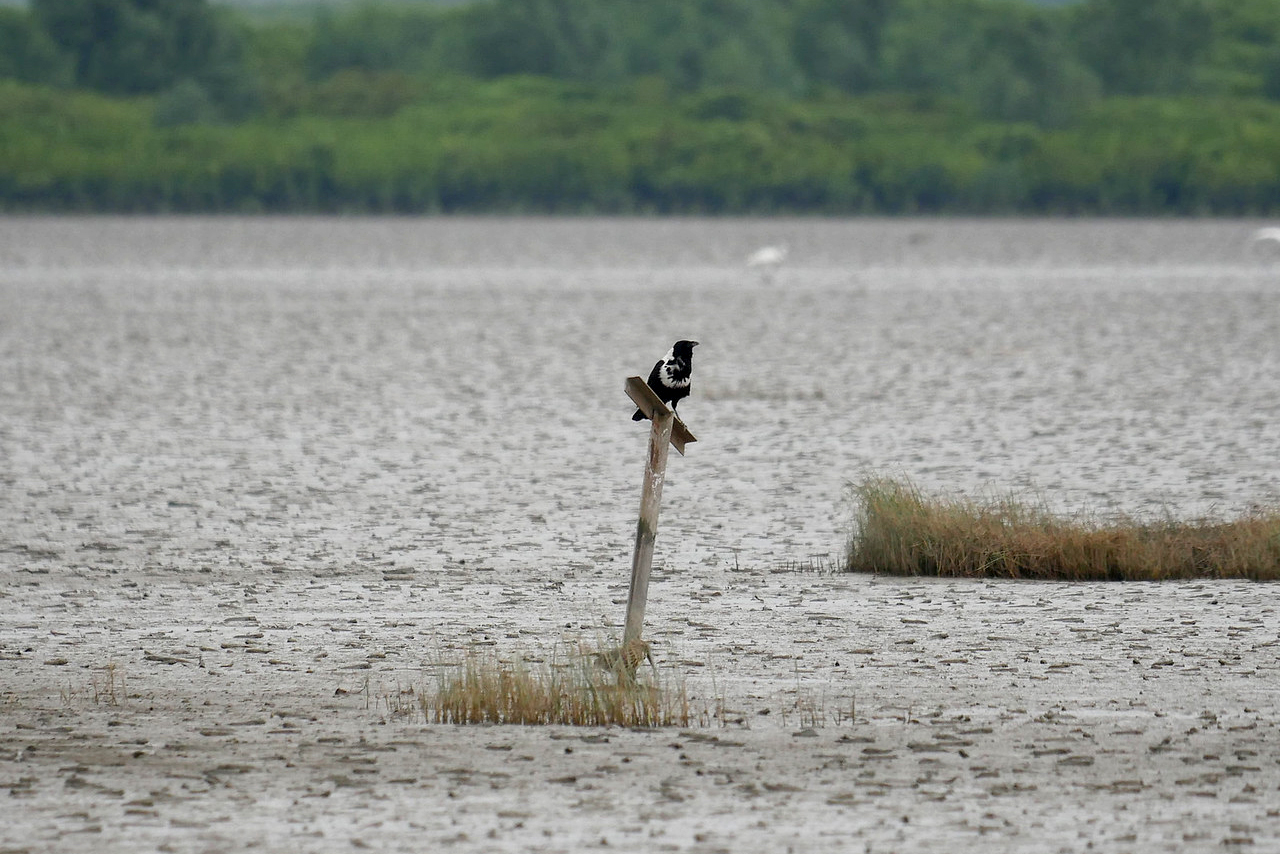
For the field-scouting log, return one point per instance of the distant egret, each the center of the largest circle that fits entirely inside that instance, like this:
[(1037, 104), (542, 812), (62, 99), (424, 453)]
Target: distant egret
[(1269, 234), (768, 256), (1265, 242)]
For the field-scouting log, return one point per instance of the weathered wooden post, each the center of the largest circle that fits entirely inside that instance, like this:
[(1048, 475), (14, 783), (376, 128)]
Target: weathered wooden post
[(667, 429)]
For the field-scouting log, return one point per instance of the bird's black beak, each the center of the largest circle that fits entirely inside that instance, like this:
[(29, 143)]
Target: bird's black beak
[(693, 343)]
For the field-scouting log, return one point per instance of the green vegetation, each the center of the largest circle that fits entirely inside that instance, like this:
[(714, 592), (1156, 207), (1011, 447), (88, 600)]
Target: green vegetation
[(902, 532), (689, 106), (484, 689)]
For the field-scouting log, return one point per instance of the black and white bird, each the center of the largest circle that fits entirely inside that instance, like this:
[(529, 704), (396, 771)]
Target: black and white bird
[(670, 377)]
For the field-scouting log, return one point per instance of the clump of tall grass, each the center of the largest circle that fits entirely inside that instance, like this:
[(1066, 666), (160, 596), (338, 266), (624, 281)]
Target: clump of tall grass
[(583, 689), (901, 531)]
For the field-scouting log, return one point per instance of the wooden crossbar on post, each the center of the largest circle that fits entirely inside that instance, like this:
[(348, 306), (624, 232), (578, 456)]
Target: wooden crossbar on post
[(668, 430), (648, 402)]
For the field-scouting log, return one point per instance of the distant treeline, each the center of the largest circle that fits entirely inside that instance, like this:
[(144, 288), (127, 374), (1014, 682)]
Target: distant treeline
[(714, 106)]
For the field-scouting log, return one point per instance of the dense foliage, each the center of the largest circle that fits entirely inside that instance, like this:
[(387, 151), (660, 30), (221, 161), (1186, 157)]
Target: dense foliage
[(886, 106)]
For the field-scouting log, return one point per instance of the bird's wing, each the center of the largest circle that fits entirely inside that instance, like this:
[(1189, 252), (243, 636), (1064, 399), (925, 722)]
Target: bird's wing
[(655, 376)]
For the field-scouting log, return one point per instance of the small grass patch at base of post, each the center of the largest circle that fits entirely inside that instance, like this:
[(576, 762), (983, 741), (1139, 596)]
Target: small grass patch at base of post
[(901, 531), (577, 691)]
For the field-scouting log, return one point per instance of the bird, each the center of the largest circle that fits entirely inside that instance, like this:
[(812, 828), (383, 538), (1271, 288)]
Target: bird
[(1268, 236), (623, 661), (768, 256), (670, 376), (1265, 243)]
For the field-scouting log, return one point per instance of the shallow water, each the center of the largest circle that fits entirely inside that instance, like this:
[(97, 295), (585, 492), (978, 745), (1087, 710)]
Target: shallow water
[(184, 394)]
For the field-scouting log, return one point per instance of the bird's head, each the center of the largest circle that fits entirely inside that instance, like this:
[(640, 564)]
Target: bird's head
[(683, 349)]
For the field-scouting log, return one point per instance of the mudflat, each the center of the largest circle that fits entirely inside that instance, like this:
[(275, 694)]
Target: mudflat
[(280, 713), (265, 480)]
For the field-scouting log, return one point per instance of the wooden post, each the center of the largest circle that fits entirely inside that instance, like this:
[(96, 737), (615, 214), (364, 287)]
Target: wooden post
[(667, 430)]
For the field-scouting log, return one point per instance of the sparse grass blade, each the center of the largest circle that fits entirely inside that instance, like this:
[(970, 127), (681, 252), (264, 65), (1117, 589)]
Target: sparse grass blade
[(485, 689), (900, 531)]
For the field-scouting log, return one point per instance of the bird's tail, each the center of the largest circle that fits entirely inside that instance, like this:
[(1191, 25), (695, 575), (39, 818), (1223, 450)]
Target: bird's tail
[(639, 416)]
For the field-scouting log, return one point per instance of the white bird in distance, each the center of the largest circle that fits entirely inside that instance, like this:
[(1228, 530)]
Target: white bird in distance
[(1270, 233), (1266, 241), (768, 256)]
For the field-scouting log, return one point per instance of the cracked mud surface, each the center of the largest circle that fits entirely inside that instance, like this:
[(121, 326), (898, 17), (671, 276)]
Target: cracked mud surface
[(263, 477)]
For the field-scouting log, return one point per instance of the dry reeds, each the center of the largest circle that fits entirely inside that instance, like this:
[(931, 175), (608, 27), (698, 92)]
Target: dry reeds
[(902, 532), (578, 691)]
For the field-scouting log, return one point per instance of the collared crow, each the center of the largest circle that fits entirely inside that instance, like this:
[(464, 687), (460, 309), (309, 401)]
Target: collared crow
[(669, 378)]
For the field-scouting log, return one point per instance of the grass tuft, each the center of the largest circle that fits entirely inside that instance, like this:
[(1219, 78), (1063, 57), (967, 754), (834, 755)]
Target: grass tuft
[(578, 691), (900, 531)]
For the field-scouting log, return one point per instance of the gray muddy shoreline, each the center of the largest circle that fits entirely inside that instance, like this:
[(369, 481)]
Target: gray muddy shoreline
[(283, 713), (262, 477)]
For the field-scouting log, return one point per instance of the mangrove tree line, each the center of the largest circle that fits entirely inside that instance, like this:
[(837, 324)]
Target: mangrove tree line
[(712, 106)]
